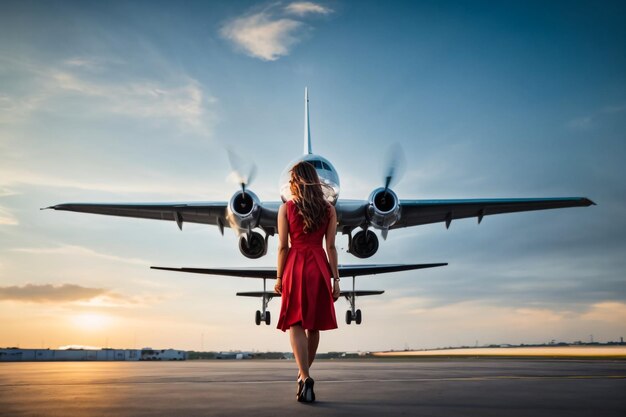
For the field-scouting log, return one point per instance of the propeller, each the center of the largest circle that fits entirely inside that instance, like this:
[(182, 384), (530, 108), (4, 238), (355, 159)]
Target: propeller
[(393, 172), (394, 167), (239, 167)]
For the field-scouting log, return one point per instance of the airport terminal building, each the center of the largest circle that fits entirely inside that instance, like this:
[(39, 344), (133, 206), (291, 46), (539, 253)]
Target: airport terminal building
[(44, 355)]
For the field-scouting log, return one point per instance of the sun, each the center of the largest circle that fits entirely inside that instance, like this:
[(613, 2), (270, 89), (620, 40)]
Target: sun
[(91, 321)]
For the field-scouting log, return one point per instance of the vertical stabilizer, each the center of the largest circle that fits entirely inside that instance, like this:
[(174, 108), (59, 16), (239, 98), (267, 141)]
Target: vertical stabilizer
[(307, 128)]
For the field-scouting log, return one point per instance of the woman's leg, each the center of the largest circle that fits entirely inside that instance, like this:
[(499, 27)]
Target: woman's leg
[(313, 338), (299, 345)]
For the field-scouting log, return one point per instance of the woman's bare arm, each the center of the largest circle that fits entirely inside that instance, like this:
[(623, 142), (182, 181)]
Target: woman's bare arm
[(331, 250), (283, 247)]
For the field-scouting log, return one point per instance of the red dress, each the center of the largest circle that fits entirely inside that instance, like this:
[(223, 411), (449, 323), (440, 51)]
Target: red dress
[(307, 296)]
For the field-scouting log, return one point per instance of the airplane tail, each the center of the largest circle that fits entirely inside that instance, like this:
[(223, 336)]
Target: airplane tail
[(307, 128)]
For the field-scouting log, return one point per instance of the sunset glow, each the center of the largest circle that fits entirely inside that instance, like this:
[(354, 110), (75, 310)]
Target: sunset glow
[(93, 322)]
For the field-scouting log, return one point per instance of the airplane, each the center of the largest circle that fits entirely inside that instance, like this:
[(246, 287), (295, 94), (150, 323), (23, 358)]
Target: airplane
[(383, 210)]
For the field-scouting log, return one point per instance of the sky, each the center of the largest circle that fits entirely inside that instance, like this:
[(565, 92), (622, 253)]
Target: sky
[(138, 102)]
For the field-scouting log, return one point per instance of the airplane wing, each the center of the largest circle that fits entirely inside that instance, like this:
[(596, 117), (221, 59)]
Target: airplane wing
[(197, 212), (351, 213), (416, 212), (270, 272)]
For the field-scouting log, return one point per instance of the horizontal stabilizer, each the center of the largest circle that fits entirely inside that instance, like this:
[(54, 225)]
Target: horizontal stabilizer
[(259, 294), (270, 272), (360, 293)]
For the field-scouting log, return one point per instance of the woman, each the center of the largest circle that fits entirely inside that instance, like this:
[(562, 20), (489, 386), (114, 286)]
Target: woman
[(304, 273)]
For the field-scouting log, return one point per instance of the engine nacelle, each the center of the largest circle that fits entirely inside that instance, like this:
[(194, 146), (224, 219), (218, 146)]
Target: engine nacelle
[(252, 245), (383, 210), (364, 244), (244, 211)]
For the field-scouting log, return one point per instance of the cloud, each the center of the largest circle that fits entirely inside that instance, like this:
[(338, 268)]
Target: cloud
[(15, 109), (77, 251), (269, 34), (302, 8), (581, 123), (620, 108), (180, 99), (592, 120), (7, 218), (6, 192), (140, 99), (261, 37), (462, 323), (147, 183), (77, 295), (48, 293), (84, 62), (607, 311)]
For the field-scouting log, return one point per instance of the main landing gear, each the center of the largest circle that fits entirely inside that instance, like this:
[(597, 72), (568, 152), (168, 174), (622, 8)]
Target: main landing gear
[(353, 314), (259, 317), (263, 315), (356, 316)]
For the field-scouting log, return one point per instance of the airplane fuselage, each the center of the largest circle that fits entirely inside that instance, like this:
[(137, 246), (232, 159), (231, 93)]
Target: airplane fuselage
[(325, 170)]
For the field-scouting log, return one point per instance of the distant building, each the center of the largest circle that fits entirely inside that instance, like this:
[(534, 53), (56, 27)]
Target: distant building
[(149, 354), (146, 354), (234, 355)]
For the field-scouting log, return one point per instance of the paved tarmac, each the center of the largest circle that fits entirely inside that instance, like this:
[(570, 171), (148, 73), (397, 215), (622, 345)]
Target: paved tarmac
[(376, 387)]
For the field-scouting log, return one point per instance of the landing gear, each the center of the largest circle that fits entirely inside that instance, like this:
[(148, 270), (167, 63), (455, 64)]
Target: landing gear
[(356, 317), (262, 317), (353, 314), (264, 314)]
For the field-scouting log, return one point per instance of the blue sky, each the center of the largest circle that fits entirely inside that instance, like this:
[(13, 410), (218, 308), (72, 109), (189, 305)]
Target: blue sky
[(136, 102)]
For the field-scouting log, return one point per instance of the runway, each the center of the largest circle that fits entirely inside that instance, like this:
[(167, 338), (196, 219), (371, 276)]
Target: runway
[(371, 387)]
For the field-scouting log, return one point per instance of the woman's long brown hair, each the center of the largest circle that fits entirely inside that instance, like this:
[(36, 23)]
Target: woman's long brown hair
[(308, 196)]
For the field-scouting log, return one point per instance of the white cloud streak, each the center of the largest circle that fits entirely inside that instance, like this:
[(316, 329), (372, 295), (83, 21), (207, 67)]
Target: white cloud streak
[(141, 99), (151, 184), (262, 37), (269, 34), (46, 293), (82, 252), (7, 218), (591, 121), (302, 8), (182, 100)]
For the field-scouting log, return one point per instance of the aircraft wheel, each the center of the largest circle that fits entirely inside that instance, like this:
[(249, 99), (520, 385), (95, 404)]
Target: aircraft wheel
[(357, 319), (348, 317), (257, 318), (267, 318)]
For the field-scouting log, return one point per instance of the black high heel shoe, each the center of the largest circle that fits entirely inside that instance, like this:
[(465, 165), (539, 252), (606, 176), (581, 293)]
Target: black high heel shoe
[(307, 395), (300, 386)]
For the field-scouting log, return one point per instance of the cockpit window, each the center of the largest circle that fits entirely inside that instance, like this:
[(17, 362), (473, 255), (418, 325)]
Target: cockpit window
[(325, 166), (316, 163)]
